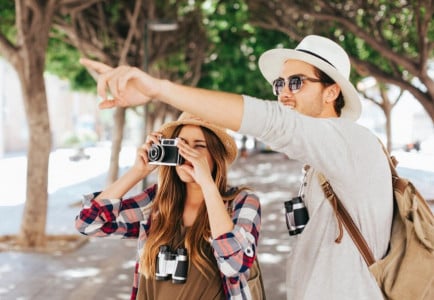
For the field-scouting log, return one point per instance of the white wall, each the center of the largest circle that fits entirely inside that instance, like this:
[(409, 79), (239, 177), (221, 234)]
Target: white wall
[(64, 108)]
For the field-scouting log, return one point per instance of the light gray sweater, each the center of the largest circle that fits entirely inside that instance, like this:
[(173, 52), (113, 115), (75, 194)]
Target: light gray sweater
[(353, 161)]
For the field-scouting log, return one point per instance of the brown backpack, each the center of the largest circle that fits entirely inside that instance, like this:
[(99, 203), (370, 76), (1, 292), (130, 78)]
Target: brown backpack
[(407, 270)]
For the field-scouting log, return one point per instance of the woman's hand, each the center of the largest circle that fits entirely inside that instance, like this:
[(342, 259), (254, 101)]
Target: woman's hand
[(135, 174), (199, 167), (141, 163), (129, 86)]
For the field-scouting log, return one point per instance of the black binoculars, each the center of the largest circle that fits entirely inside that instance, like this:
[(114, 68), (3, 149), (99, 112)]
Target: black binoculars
[(172, 264)]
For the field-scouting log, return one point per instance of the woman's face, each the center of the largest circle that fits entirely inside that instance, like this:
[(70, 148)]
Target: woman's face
[(194, 137)]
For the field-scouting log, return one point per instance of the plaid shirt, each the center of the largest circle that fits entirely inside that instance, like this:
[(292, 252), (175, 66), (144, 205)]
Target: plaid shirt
[(234, 251)]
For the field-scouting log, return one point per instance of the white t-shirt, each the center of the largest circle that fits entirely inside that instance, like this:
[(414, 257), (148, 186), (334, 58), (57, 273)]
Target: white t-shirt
[(354, 163)]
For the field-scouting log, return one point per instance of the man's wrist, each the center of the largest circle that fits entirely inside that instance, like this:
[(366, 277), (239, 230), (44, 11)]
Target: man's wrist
[(164, 90)]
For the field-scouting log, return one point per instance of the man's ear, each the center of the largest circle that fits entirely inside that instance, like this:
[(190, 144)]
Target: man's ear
[(332, 92)]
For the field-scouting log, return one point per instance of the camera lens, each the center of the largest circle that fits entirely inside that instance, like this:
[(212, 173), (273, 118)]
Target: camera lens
[(156, 153), (296, 215)]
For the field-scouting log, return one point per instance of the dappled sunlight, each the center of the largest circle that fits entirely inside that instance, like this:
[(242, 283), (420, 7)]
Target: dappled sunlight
[(5, 268), (276, 195), (3, 291), (125, 296), (68, 285), (271, 217), (100, 267), (281, 287), (265, 258), (120, 283), (273, 196), (79, 272), (268, 176), (122, 277), (269, 242), (283, 248), (6, 290), (271, 178), (129, 264), (98, 280), (274, 179)]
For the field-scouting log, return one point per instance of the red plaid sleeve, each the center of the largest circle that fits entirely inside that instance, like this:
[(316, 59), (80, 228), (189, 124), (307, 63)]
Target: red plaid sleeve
[(119, 217), (235, 251)]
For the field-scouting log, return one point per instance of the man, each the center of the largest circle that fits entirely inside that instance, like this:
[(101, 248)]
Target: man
[(313, 122)]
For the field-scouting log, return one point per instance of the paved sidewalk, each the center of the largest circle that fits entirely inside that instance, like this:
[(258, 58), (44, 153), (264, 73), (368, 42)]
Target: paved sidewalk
[(102, 268)]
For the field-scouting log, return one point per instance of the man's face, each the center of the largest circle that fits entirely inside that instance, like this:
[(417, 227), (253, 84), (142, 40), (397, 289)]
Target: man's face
[(313, 97)]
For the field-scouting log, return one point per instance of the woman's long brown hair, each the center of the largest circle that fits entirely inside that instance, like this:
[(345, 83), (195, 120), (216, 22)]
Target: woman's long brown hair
[(168, 208)]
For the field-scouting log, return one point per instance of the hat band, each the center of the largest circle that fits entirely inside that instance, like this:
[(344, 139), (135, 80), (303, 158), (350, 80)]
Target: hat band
[(316, 55)]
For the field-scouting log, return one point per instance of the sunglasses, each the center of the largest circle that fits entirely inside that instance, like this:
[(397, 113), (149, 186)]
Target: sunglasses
[(294, 82)]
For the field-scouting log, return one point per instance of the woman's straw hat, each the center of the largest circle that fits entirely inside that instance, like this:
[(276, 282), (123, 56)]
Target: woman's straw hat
[(188, 119)]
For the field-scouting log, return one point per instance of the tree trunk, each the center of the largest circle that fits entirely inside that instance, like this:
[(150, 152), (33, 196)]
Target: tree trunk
[(386, 106), (33, 224), (387, 113), (147, 129), (33, 23), (118, 134)]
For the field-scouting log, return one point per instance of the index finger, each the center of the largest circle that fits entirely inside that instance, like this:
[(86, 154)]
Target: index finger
[(154, 137), (94, 65)]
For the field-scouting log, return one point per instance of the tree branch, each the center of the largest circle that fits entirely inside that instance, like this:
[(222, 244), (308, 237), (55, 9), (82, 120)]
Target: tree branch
[(76, 6), (378, 45), (132, 29), (7, 49), (366, 68)]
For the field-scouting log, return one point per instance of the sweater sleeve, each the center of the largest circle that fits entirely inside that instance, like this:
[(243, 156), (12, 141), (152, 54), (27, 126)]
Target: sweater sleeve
[(333, 146)]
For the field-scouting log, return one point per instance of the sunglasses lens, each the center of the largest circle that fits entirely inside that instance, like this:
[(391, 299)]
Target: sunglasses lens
[(278, 86), (295, 83)]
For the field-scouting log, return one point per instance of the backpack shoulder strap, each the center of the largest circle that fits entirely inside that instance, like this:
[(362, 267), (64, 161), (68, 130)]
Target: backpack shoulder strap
[(344, 218)]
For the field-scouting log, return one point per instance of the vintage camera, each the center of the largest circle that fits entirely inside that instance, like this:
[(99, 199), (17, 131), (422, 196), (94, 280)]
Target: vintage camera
[(172, 265), (296, 215), (165, 153)]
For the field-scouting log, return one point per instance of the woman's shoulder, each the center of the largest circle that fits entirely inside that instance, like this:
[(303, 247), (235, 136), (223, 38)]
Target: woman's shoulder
[(245, 195), (239, 191)]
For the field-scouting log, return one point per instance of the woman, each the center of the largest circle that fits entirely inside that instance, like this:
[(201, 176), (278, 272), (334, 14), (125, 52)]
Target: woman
[(191, 208)]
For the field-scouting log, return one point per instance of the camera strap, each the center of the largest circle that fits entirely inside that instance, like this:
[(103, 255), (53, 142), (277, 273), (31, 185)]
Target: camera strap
[(303, 182)]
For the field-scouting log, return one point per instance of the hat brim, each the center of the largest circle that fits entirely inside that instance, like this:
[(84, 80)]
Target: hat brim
[(271, 63), (227, 140)]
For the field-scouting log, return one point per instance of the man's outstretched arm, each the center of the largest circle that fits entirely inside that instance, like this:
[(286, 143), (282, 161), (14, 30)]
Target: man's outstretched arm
[(130, 86)]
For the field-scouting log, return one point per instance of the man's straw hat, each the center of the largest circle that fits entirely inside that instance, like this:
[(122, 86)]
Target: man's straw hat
[(324, 54)]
